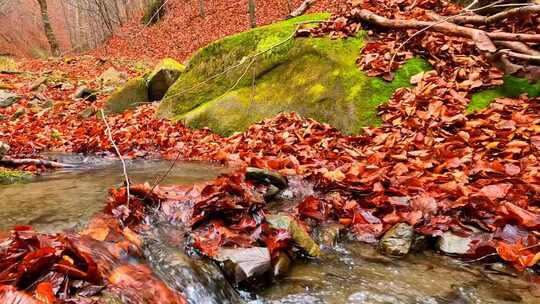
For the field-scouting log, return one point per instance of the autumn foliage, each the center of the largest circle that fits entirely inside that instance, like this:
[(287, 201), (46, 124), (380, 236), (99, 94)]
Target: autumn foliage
[(429, 164)]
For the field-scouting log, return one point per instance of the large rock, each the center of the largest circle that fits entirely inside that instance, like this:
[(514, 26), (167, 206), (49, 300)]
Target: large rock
[(398, 240), (163, 77), (244, 263), (298, 234), (8, 98), (316, 77), (133, 94)]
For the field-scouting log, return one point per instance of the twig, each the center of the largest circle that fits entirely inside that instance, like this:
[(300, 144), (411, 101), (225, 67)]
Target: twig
[(9, 161), (485, 20), (482, 257), (109, 133)]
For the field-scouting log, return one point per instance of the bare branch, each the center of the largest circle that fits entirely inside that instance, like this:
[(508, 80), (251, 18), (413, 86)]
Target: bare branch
[(485, 20)]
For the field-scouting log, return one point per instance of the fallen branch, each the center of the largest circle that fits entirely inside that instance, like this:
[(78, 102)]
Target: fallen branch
[(124, 167), (518, 47), (485, 20), (9, 72), (443, 27), (14, 162), (520, 55), (301, 9)]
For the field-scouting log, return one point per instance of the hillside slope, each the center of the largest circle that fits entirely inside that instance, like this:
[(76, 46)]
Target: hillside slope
[(182, 31)]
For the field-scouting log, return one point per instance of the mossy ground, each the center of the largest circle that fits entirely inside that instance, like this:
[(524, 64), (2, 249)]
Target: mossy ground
[(512, 87), (316, 77), (9, 176)]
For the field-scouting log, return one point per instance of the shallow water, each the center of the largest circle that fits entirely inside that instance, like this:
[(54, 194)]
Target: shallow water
[(357, 273), (67, 199), (351, 273)]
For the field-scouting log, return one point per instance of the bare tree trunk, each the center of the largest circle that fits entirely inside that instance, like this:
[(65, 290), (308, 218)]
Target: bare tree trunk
[(201, 8), (55, 49), (252, 16)]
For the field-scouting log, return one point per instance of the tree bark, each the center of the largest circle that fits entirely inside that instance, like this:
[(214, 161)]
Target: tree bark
[(201, 9), (53, 43), (301, 9), (252, 13)]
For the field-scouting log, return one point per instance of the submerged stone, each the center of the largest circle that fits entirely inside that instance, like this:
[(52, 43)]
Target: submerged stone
[(241, 264), (131, 95), (163, 77), (298, 234), (199, 279), (398, 240), (8, 98), (328, 235), (265, 176)]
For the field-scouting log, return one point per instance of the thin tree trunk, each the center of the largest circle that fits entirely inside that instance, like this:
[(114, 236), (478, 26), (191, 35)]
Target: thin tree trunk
[(55, 49), (201, 9), (252, 13)]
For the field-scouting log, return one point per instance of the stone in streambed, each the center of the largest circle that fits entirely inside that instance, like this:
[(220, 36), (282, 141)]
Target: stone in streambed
[(244, 263), (163, 77), (265, 176), (398, 240), (328, 234), (8, 98), (298, 234), (451, 243)]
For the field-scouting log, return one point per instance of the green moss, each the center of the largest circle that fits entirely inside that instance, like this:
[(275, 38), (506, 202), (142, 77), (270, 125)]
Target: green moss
[(163, 77), (7, 64), (316, 77), (512, 87), (132, 94), (8, 176)]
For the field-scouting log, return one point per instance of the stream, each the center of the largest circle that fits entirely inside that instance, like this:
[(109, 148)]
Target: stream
[(349, 273)]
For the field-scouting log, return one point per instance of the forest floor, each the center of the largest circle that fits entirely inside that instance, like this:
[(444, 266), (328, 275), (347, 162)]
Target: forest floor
[(431, 169)]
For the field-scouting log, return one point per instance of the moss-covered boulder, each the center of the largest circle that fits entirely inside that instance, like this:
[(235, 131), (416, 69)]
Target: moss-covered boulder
[(163, 77), (316, 77), (131, 95)]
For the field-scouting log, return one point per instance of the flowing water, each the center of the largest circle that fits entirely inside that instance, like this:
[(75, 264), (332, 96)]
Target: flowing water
[(67, 199), (349, 273)]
